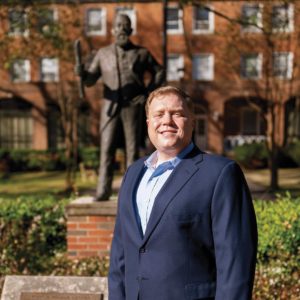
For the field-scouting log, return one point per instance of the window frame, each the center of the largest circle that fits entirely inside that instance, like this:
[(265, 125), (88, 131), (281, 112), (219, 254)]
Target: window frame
[(24, 14), (54, 21), (27, 68), (259, 24), (180, 67), (289, 65), (211, 21), (56, 73), (209, 70), (103, 20), (12, 136), (290, 15), (178, 30), (257, 124), (258, 66)]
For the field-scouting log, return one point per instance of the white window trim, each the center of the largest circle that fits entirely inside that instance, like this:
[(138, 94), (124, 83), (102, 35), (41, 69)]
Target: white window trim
[(56, 79), (180, 67), (211, 20), (211, 61), (180, 21), (132, 16), (289, 65), (27, 74), (101, 32), (254, 29), (259, 67), (291, 19), (26, 32)]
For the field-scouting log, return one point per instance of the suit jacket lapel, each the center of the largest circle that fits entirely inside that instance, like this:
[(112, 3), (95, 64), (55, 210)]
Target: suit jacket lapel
[(134, 177), (182, 173)]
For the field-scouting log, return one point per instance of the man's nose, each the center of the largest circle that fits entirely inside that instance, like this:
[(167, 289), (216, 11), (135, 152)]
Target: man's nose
[(167, 118)]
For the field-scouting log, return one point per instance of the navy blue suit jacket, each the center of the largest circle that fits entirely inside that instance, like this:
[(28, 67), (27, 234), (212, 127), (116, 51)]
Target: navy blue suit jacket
[(200, 241)]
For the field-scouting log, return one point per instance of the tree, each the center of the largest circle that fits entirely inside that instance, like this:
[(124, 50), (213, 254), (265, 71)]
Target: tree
[(32, 32), (271, 32)]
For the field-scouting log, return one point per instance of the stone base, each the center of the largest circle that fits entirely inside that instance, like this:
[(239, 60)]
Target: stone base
[(16, 286), (90, 227)]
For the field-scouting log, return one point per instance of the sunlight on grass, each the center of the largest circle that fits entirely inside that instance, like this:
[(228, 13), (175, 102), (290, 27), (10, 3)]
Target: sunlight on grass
[(38, 182)]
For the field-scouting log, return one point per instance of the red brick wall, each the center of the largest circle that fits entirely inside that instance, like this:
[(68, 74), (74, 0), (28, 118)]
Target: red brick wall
[(90, 228)]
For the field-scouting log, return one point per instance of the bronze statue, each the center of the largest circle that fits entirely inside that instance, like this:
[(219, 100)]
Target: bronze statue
[(122, 66)]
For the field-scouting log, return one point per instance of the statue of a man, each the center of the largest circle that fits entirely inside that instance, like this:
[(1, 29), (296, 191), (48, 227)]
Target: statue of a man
[(122, 66)]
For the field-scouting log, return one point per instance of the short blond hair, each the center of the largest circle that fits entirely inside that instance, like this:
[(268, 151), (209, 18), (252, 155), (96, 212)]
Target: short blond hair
[(167, 90)]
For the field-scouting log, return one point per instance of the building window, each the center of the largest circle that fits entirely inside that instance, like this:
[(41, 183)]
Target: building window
[(96, 22), (131, 13), (283, 18), (16, 129), (18, 22), (203, 20), (252, 17), (250, 121), (174, 20), (175, 69), (46, 20), (251, 66), (283, 65), (20, 70), (49, 70), (203, 67)]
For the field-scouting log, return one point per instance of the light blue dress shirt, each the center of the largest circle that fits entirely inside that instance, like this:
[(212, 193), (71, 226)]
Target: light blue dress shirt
[(152, 182)]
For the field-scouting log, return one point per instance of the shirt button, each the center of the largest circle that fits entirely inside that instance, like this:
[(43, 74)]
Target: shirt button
[(142, 250)]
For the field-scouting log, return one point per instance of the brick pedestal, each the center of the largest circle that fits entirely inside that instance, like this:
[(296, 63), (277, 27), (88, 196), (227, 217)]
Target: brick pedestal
[(90, 227)]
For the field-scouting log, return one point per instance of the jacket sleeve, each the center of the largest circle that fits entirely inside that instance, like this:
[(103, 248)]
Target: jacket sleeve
[(235, 235)]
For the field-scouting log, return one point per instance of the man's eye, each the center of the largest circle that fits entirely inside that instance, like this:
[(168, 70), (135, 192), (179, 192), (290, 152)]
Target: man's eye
[(178, 114)]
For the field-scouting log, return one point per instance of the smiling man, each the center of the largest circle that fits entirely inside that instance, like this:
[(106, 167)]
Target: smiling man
[(185, 227)]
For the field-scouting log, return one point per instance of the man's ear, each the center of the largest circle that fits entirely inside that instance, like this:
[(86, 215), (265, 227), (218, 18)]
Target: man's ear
[(147, 122)]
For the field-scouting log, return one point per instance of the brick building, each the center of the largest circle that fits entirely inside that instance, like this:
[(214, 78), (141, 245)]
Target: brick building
[(235, 58)]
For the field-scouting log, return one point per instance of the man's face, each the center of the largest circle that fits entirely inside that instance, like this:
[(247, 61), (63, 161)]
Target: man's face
[(170, 125), (122, 30)]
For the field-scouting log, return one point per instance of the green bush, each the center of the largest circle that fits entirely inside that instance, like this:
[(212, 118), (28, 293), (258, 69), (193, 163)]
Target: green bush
[(33, 231), (89, 157), (33, 241), (251, 155), (278, 228), (293, 150), (278, 268)]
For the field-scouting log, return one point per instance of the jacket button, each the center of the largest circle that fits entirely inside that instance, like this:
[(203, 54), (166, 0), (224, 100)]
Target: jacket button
[(142, 250)]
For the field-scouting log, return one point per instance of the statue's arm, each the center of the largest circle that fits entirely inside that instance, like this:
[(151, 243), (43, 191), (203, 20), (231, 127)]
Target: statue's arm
[(90, 75), (157, 73)]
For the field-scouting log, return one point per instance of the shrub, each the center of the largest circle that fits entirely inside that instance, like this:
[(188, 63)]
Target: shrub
[(251, 155), (33, 230), (89, 157), (278, 228), (278, 271), (293, 150)]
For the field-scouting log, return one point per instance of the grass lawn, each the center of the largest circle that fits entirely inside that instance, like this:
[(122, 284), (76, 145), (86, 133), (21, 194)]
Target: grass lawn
[(44, 183), (40, 183), (289, 179)]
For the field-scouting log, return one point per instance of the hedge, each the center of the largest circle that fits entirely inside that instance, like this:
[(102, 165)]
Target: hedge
[(255, 155), (44, 160), (33, 241)]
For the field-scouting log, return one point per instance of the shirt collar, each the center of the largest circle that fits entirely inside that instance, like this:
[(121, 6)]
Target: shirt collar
[(151, 160)]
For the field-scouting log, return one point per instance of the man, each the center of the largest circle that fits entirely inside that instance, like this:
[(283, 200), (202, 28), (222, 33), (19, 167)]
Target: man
[(122, 67), (185, 226)]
